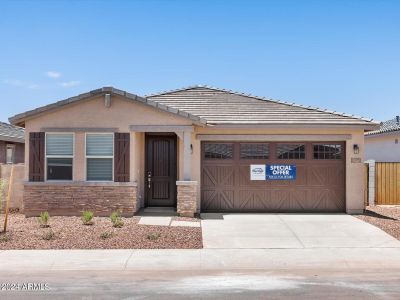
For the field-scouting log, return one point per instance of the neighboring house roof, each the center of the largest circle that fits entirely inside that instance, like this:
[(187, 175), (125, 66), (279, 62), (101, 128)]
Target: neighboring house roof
[(211, 106), (387, 126), (222, 107), (11, 133)]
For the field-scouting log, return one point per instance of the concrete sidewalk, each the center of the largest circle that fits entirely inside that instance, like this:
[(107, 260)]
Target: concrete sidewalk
[(200, 259)]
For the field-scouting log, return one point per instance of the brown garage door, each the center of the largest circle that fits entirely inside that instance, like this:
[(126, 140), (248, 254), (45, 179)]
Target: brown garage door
[(318, 187)]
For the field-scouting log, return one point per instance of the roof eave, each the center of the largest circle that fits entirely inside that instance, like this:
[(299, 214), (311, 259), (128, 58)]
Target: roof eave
[(366, 127), (12, 139), (386, 132), (19, 119)]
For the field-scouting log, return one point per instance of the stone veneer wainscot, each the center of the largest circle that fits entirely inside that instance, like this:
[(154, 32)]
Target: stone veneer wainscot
[(186, 200), (71, 198)]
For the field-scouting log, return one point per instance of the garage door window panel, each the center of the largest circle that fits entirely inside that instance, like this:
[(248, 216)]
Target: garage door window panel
[(327, 151), (254, 151), (291, 151), (218, 151)]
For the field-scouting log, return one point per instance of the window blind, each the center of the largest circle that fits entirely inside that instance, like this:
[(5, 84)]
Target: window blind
[(99, 169), (59, 144), (99, 145)]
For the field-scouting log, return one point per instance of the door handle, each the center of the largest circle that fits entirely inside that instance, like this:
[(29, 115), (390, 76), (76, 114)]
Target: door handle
[(149, 179)]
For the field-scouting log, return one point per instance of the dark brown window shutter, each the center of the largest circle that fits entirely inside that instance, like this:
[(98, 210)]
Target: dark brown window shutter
[(36, 156), (121, 157)]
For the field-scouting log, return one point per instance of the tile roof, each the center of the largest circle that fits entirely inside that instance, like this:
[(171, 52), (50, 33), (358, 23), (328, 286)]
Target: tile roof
[(11, 133), (387, 126), (19, 119), (211, 106), (219, 106)]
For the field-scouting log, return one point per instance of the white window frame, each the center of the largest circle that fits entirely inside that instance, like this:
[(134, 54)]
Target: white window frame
[(12, 147), (97, 156), (59, 156)]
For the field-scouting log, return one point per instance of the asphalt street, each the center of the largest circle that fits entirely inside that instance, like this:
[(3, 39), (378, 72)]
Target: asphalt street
[(279, 284)]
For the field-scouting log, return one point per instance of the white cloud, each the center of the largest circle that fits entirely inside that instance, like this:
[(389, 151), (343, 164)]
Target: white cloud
[(53, 74), (70, 83), (20, 83)]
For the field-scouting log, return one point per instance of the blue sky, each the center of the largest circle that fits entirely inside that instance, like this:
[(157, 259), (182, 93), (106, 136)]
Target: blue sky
[(340, 55)]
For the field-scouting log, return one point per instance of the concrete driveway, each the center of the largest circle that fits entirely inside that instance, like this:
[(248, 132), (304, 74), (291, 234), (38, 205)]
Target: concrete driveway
[(268, 231)]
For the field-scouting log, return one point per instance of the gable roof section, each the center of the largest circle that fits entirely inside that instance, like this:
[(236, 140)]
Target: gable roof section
[(212, 106), (11, 133), (19, 119), (223, 107), (387, 126)]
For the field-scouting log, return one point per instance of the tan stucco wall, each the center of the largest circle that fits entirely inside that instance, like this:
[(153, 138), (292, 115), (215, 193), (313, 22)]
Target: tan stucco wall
[(93, 114), (17, 187), (382, 147), (122, 114)]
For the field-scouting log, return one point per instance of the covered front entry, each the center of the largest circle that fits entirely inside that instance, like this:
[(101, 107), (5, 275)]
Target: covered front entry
[(318, 187), (160, 170)]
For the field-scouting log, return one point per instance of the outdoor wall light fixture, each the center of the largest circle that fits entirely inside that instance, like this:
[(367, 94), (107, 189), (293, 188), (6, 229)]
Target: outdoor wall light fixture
[(191, 149), (356, 149)]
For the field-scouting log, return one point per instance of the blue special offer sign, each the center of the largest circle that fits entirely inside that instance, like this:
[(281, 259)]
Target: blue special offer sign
[(280, 172)]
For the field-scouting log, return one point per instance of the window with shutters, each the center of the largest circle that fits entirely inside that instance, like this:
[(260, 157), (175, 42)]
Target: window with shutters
[(59, 156), (99, 156)]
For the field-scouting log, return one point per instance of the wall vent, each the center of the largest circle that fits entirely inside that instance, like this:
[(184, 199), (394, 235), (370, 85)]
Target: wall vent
[(107, 100)]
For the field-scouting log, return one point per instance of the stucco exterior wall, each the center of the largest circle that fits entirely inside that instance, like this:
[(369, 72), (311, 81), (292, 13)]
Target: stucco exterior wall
[(17, 188), (122, 114), (383, 147), (93, 114)]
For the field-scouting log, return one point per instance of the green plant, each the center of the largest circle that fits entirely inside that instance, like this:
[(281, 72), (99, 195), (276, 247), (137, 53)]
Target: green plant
[(49, 235), (153, 236), (116, 219), (44, 219), (87, 217), (106, 235), (4, 237)]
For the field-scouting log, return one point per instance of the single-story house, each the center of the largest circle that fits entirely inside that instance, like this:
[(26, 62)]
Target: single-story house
[(12, 144), (197, 149), (383, 145)]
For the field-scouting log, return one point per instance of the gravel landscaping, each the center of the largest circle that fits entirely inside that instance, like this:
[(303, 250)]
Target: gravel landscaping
[(70, 233), (386, 218)]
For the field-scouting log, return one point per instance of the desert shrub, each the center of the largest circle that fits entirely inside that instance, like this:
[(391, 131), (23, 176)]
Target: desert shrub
[(49, 235), (153, 236), (106, 235), (116, 219), (87, 217), (4, 237), (44, 219)]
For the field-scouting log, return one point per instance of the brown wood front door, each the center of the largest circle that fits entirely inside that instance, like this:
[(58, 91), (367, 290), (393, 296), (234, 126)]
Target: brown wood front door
[(161, 157)]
